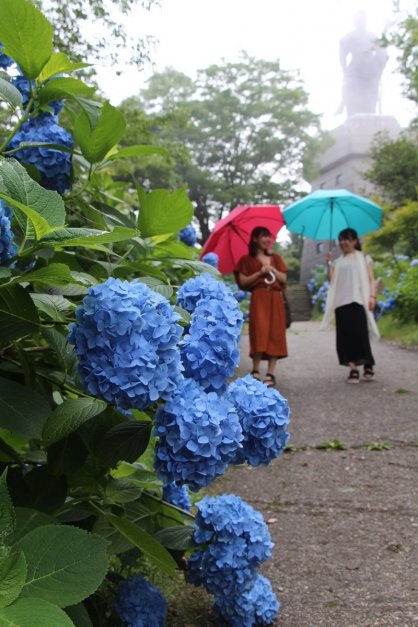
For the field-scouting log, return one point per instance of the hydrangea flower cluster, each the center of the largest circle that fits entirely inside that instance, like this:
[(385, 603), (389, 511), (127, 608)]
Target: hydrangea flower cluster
[(264, 416), (178, 496), (25, 87), (198, 436), (141, 605), (126, 338), (53, 165), (202, 286), (209, 351), (256, 606), (212, 259), (188, 235), (5, 61), (236, 541), (7, 246), (413, 263)]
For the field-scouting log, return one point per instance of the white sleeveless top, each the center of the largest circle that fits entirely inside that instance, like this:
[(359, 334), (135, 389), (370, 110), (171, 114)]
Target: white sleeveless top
[(347, 286)]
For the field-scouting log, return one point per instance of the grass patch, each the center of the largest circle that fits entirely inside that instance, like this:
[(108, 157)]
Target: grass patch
[(405, 334)]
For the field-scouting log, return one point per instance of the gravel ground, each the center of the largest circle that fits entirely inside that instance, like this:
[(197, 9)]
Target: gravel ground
[(344, 521)]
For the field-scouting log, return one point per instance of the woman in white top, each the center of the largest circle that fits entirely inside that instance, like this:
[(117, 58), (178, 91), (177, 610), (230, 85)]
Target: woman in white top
[(351, 299)]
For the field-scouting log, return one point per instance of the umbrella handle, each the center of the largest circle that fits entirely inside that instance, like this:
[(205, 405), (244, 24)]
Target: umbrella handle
[(273, 278)]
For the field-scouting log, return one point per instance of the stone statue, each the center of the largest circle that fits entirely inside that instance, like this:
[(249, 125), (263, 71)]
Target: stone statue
[(363, 60)]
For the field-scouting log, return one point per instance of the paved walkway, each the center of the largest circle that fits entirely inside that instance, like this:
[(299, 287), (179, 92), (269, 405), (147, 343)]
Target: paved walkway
[(345, 522)]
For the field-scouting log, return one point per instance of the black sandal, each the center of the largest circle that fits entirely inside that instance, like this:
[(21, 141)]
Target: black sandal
[(256, 374), (270, 380), (368, 373), (354, 376)]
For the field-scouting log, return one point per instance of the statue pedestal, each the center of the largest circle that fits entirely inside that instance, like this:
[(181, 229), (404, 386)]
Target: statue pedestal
[(342, 166)]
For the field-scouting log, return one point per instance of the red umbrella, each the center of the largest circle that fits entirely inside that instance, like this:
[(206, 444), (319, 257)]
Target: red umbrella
[(231, 235)]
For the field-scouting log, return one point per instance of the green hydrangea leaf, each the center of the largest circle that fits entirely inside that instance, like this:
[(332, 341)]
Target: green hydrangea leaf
[(33, 613), (96, 142), (57, 88), (12, 576), (7, 512), (22, 409), (10, 94), (59, 63), (70, 415), (155, 552), (26, 35), (44, 208), (18, 315), (65, 564), (162, 211)]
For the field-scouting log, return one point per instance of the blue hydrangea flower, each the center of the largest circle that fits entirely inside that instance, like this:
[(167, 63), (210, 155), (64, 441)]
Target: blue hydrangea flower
[(210, 351), (126, 338), (202, 286), (256, 606), (236, 541), (53, 165), (188, 235), (5, 61), (7, 246), (139, 604), (212, 259), (264, 416), (198, 436), (413, 263), (178, 496), (24, 86)]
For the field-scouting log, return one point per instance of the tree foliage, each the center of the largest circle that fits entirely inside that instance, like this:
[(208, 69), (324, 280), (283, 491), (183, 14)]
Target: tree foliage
[(246, 126), (404, 37), (71, 22), (394, 167)]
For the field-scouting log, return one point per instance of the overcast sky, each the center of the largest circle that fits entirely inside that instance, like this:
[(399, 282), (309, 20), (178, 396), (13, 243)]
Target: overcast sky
[(192, 34)]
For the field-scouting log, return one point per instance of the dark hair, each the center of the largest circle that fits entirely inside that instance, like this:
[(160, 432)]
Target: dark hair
[(350, 234), (252, 246)]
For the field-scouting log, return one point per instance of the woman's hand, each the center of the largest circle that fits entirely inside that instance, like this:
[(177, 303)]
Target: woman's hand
[(372, 303)]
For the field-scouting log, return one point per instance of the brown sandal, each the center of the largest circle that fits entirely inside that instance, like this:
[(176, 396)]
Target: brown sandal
[(270, 380), (354, 376), (256, 375)]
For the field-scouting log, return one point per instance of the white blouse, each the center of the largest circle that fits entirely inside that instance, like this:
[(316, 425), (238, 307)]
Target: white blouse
[(347, 289)]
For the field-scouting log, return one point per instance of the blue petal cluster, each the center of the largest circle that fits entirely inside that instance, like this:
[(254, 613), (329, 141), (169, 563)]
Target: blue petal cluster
[(202, 286), (126, 338), (53, 165), (198, 436), (178, 496), (212, 259), (257, 605), (5, 61), (24, 86), (236, 540), (209, 351), (264, 416), (7, 246), (141, 605), (188, 235)]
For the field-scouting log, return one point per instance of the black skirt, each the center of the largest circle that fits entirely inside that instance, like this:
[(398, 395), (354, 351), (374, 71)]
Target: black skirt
[(353, 344)]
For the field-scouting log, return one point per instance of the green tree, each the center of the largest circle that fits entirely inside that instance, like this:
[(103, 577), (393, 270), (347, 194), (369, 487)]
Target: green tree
[(394, 169), (404, 37), (246, 126), (71, 18)]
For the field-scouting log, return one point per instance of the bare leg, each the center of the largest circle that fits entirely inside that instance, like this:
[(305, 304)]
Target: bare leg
[(256, 365), (270, 379), (271, 367)]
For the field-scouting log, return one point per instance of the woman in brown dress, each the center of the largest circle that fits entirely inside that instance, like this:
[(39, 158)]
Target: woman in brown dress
[(264, 274)]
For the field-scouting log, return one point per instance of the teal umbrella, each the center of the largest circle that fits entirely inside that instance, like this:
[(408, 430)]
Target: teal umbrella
[(325, 212)]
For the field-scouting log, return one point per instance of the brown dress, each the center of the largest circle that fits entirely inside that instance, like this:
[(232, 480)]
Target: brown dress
[(267, 314)]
